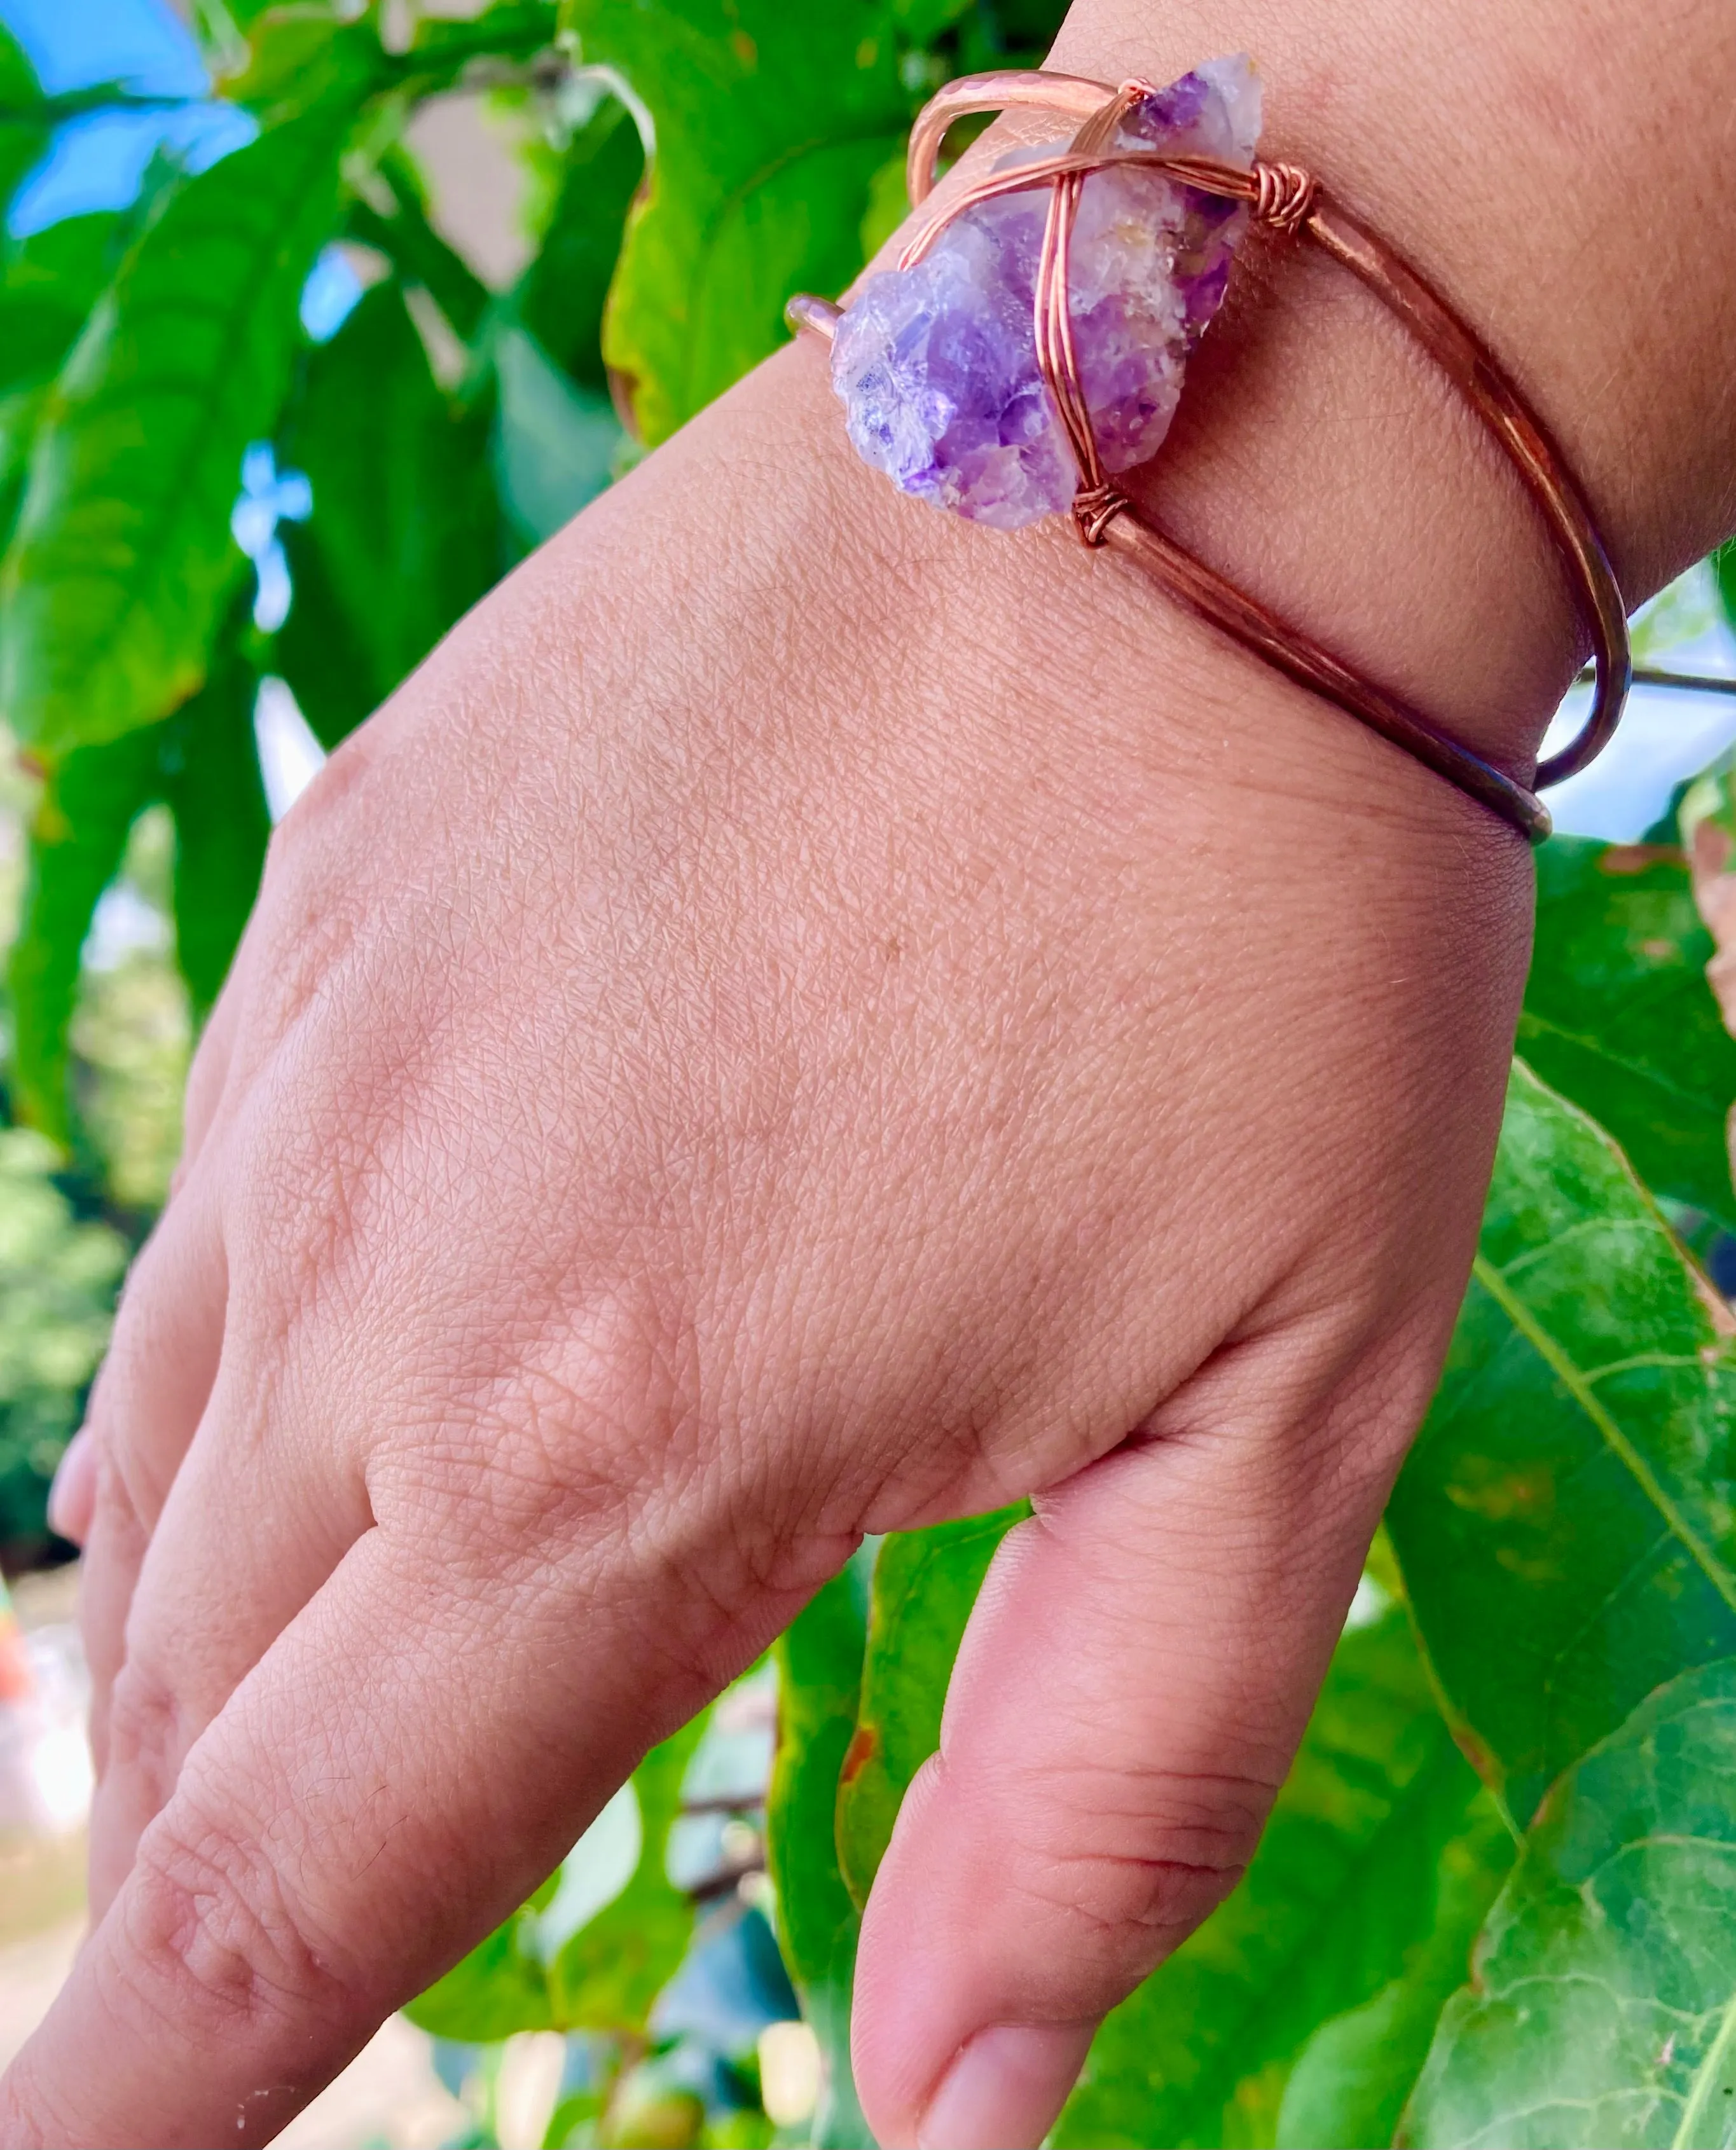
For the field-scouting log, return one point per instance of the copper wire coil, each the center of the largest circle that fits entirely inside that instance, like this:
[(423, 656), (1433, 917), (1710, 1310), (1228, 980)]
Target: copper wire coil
[(1289, 202)]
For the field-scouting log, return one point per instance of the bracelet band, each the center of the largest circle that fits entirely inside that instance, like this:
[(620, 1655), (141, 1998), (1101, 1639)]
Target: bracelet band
[(1287, 202)]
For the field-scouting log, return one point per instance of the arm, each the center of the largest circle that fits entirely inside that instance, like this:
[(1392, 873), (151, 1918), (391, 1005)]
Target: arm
[(742, 1051)]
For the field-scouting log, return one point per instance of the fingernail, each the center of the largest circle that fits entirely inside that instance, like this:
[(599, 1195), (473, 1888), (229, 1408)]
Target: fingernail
[(1005, 2088), (73, 1492)]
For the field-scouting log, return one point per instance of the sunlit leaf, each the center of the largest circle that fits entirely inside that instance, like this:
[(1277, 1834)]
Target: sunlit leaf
[(1565, 1522), (820, 1673), (122, 559), (1619, 1018), (1380, 1858), (771, 122), (1603, 2012), (925, 1584)]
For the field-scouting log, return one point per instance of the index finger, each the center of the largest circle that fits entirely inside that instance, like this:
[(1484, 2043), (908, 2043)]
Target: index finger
[(397, 1773)]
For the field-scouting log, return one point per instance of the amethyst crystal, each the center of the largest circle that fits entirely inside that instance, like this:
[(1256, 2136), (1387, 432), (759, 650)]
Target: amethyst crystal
[(936, 365)]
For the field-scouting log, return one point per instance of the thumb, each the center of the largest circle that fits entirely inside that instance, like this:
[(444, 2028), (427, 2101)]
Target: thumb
[(1136, 1675)]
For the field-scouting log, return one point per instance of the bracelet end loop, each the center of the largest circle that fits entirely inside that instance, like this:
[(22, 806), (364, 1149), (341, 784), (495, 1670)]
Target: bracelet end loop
[(817, 316), (1095, 508), (1284, 198)]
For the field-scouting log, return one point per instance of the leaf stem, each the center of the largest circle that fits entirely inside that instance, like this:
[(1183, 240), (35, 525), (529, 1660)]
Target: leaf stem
[(1705, 2079)]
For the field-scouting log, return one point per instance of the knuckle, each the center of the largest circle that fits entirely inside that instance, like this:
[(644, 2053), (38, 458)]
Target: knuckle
[(216, 1944), (1123, 1869), (35, 2111), (144, 1729)]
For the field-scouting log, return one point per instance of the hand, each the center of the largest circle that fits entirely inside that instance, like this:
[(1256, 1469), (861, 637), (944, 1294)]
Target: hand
[(802, 1019), (718, 1068)]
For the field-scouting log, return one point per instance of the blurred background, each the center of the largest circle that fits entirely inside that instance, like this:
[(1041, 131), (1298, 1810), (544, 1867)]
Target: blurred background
[(450, 403)]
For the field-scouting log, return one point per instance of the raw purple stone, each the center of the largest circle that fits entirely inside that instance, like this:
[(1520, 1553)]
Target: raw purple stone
[(936, 365)]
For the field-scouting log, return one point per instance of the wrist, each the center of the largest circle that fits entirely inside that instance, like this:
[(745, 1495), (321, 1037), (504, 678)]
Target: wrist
[(1086, 662), (1318, 461)]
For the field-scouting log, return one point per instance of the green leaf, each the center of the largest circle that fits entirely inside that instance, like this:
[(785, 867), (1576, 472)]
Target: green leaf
[(1381, 1856), (319, 651), (1603, 2010), (1565, 1521), (19, 88), (122, 560), (222, 825), (599, 1940), (49, 282), (820, 1674), (771, 122), (25, 127), (1709, 801), (303, 54), (22, 147), (1724, 574), (888, 205), (500, 1988), (1350, 2082), (1619, 1018), (504, 29), (555, 443), (920, 22), (925, 1584), (608, 1973), (399, 227), (78, 840), (560, 295), (404, 527), (58, 1278)]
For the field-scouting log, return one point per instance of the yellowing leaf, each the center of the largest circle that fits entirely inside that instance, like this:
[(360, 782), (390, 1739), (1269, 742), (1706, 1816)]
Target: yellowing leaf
[(771, 122)]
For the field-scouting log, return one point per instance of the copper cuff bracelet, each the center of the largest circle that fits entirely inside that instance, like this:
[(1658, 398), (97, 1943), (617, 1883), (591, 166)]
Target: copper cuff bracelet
[(1287, 202)]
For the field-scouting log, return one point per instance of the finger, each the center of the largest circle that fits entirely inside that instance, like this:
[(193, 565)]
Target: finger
[(413, 1722), (73, 1496), (252, 1528), (147, 1401), (113, 1553), (162, 1357), (1132, 1687)]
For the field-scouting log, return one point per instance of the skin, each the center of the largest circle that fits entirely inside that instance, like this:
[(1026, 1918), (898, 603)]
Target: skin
[(807, 1018)]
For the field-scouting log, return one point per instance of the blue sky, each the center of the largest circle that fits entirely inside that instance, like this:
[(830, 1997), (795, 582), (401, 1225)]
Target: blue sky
[(97, 161)]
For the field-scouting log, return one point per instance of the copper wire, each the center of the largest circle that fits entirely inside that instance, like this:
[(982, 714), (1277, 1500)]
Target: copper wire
[(1287, 202)]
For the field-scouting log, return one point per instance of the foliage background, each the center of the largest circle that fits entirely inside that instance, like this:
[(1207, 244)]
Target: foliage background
[(264, 433)]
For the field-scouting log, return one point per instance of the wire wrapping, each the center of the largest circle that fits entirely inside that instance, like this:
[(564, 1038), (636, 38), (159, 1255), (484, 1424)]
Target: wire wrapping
[(1287, 202)]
